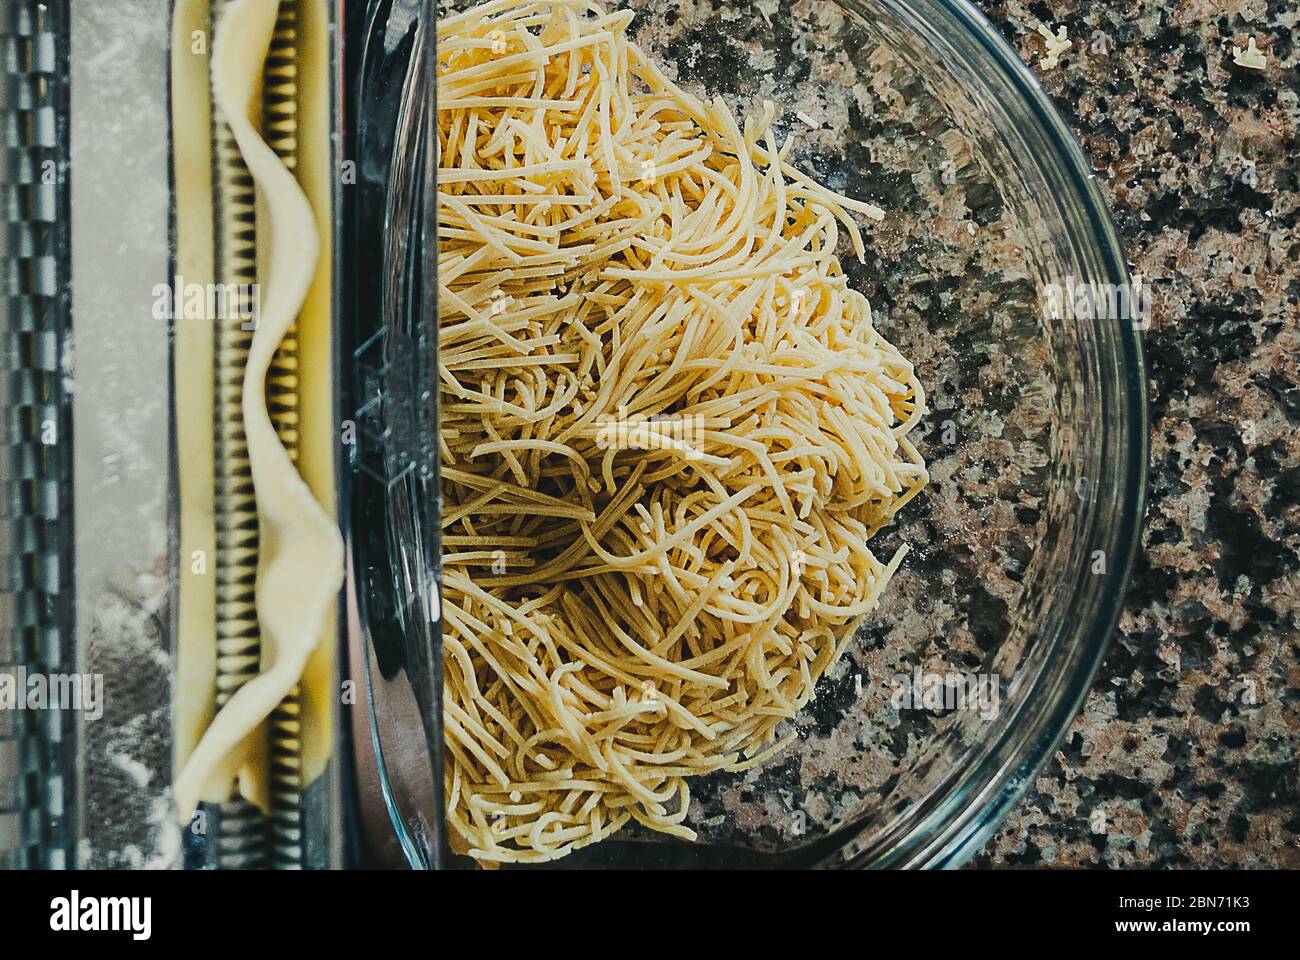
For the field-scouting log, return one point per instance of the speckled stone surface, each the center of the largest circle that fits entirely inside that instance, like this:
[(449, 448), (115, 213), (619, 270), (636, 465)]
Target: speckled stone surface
[(1188, 741)]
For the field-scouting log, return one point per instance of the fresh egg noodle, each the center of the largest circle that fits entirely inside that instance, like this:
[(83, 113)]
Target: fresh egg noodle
[(669, 431)]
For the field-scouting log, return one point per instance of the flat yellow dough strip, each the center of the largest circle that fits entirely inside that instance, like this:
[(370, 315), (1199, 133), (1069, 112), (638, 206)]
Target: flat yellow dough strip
[(318, 440), (196, 654)]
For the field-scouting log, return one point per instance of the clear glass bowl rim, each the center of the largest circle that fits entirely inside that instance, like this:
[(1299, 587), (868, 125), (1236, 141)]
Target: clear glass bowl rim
[(948, 829), (955, 827)]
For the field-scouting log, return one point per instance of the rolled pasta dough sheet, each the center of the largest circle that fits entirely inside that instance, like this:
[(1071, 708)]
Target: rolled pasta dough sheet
[(300, 564)]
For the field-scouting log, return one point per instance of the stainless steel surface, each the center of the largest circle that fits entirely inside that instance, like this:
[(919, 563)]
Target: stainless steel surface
[(121, 250), (35, 745), (327, 813)]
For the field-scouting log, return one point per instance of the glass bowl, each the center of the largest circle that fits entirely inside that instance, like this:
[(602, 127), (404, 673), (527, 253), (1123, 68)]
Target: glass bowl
[(998, 272)]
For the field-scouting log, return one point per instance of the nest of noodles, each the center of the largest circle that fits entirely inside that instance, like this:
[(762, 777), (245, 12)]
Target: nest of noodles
[(669, 432)]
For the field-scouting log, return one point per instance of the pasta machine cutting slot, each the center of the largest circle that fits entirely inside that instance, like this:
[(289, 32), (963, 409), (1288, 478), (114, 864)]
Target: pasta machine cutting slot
[(204, 417)]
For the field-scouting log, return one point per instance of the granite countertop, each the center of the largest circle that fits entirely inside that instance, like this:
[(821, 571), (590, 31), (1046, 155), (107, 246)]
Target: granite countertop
[(1188, 740)]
